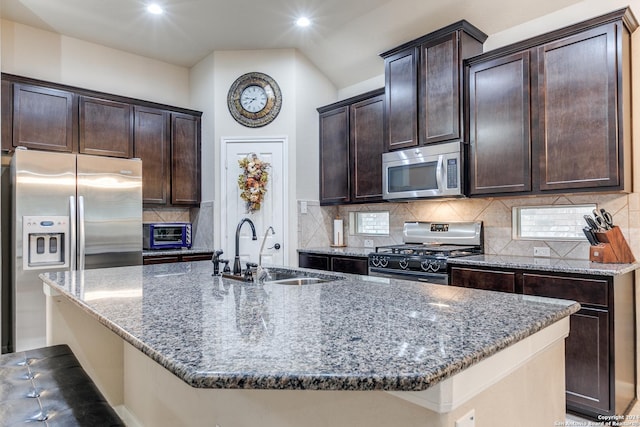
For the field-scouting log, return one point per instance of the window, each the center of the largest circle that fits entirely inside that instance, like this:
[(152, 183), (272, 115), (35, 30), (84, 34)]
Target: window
[(369, 223), (550, 222)]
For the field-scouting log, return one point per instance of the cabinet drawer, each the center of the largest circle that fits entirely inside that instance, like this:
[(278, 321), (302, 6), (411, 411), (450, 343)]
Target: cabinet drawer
[(503, 281), (160, 259), (587, 291), (350, 265), (317, 262)]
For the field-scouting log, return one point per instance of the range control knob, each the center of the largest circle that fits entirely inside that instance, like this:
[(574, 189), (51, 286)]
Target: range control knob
[(425, 265), (437, 265), (403, 263), (375, 261), (384, 261)]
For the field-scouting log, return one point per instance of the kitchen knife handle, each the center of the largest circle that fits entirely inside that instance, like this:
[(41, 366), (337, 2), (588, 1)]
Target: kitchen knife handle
[(591, 237)]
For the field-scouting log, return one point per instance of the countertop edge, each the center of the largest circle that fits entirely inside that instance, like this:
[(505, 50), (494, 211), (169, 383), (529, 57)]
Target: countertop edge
[(552, 265)]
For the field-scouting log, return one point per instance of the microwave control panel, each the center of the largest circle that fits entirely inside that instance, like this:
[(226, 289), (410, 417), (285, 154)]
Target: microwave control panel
[(452, 173)]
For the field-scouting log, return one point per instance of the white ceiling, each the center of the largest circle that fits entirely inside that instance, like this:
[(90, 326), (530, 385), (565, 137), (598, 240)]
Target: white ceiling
[(343, 42)]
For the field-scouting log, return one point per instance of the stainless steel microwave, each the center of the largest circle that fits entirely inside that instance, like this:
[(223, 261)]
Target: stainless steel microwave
[(426, 171), (166, 235)]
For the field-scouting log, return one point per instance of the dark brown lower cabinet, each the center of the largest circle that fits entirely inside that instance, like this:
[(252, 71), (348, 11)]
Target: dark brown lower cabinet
[(600, 356), (338, 263), (165, 259)]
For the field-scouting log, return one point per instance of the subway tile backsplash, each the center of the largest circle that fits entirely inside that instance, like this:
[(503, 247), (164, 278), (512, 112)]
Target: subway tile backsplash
[(315, 227)]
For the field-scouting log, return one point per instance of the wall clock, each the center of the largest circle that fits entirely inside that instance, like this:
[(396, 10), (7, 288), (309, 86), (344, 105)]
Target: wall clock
[(254, 99)]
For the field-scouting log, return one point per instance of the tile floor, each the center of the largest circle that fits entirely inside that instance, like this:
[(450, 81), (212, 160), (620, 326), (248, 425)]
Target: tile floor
[(573, 420)]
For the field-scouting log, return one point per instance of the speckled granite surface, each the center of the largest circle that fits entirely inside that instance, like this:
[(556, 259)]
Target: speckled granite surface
[(558, 265), (184, 251), (358, 333), (347, 250)]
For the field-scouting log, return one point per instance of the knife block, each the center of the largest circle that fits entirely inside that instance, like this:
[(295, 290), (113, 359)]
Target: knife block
[(612, 249)]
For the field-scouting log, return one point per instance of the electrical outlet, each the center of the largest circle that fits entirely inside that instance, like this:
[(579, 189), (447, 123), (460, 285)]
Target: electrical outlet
[(368, 243), (541, 251), (467, 420), (303, 207)]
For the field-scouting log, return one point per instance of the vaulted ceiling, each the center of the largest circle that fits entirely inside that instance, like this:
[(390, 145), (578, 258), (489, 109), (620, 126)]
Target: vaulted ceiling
[(343, 41)]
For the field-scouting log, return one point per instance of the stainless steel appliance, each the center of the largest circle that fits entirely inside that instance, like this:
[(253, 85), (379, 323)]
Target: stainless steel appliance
[(166, 235), (428, 171), (426, 248), (69, 212)]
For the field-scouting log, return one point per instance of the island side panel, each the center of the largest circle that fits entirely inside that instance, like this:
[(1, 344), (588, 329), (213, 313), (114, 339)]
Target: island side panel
[(531, 396), (99, 350)]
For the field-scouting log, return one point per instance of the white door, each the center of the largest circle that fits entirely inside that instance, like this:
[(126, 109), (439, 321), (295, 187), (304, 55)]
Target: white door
[(272, 211)]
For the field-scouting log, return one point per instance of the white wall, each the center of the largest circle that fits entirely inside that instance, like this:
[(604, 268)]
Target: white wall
[(30, 52), (303, 89), (313, 90)]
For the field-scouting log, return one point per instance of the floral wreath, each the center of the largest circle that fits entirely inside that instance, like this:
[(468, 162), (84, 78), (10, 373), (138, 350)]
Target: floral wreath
[(253, 181)]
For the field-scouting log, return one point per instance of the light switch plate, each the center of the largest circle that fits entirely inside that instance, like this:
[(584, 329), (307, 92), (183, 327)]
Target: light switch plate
[(368, 243), (303, 207), (467, 420)]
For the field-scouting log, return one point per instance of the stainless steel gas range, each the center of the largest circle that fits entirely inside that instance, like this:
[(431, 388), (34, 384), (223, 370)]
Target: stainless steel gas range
[(426, 248)]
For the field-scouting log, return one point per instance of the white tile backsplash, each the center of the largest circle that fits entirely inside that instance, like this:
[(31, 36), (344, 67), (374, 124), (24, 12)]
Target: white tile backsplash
[(315, 227)]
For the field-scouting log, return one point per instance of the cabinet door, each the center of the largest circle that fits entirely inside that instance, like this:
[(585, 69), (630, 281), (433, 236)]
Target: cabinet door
[(367, 146), (578, 110), (401, 90), (587, 360), (43, 118), (352, 265), (105, 127), (499, 125), (440, 90), (315, 261), (185, 159), (588, 345), (334, 156), (503, 281), (151, 144)]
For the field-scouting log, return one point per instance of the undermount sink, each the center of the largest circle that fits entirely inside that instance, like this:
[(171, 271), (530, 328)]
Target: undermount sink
[(298, 281), (291, 277)]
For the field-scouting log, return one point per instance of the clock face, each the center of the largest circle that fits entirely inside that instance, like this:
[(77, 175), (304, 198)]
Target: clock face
[(254, 99)]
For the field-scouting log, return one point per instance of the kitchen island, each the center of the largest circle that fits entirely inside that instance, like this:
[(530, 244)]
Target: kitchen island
[(180, 347)]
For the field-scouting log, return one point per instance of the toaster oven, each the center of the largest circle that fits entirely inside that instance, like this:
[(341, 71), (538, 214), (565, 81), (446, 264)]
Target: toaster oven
[(166, 235)]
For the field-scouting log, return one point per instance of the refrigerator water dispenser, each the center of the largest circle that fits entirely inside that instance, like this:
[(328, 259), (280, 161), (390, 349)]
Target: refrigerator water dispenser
[(45, 242)]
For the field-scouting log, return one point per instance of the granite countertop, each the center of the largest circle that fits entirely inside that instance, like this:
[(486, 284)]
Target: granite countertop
[(354, 333), (345, 250), (557, 265), (182, 251)]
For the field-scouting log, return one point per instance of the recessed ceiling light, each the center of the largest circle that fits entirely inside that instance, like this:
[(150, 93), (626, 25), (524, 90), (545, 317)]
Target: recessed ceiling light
[(303, 21), (155, 9)]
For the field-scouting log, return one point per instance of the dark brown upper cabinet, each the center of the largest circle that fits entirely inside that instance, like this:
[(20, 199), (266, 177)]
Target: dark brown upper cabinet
[(152, 145), (367, 146), (39, 117), (105, 127), (424, 91), (351, 147), (500, 122), (49, 116), (552, 113), (185, 159)]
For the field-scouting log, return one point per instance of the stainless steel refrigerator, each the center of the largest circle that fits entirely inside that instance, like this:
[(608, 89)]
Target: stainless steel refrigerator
[(70, 212)]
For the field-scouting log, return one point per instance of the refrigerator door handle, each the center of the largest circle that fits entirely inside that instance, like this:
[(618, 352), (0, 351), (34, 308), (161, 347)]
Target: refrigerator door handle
[(81, 239), (72, 232)]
